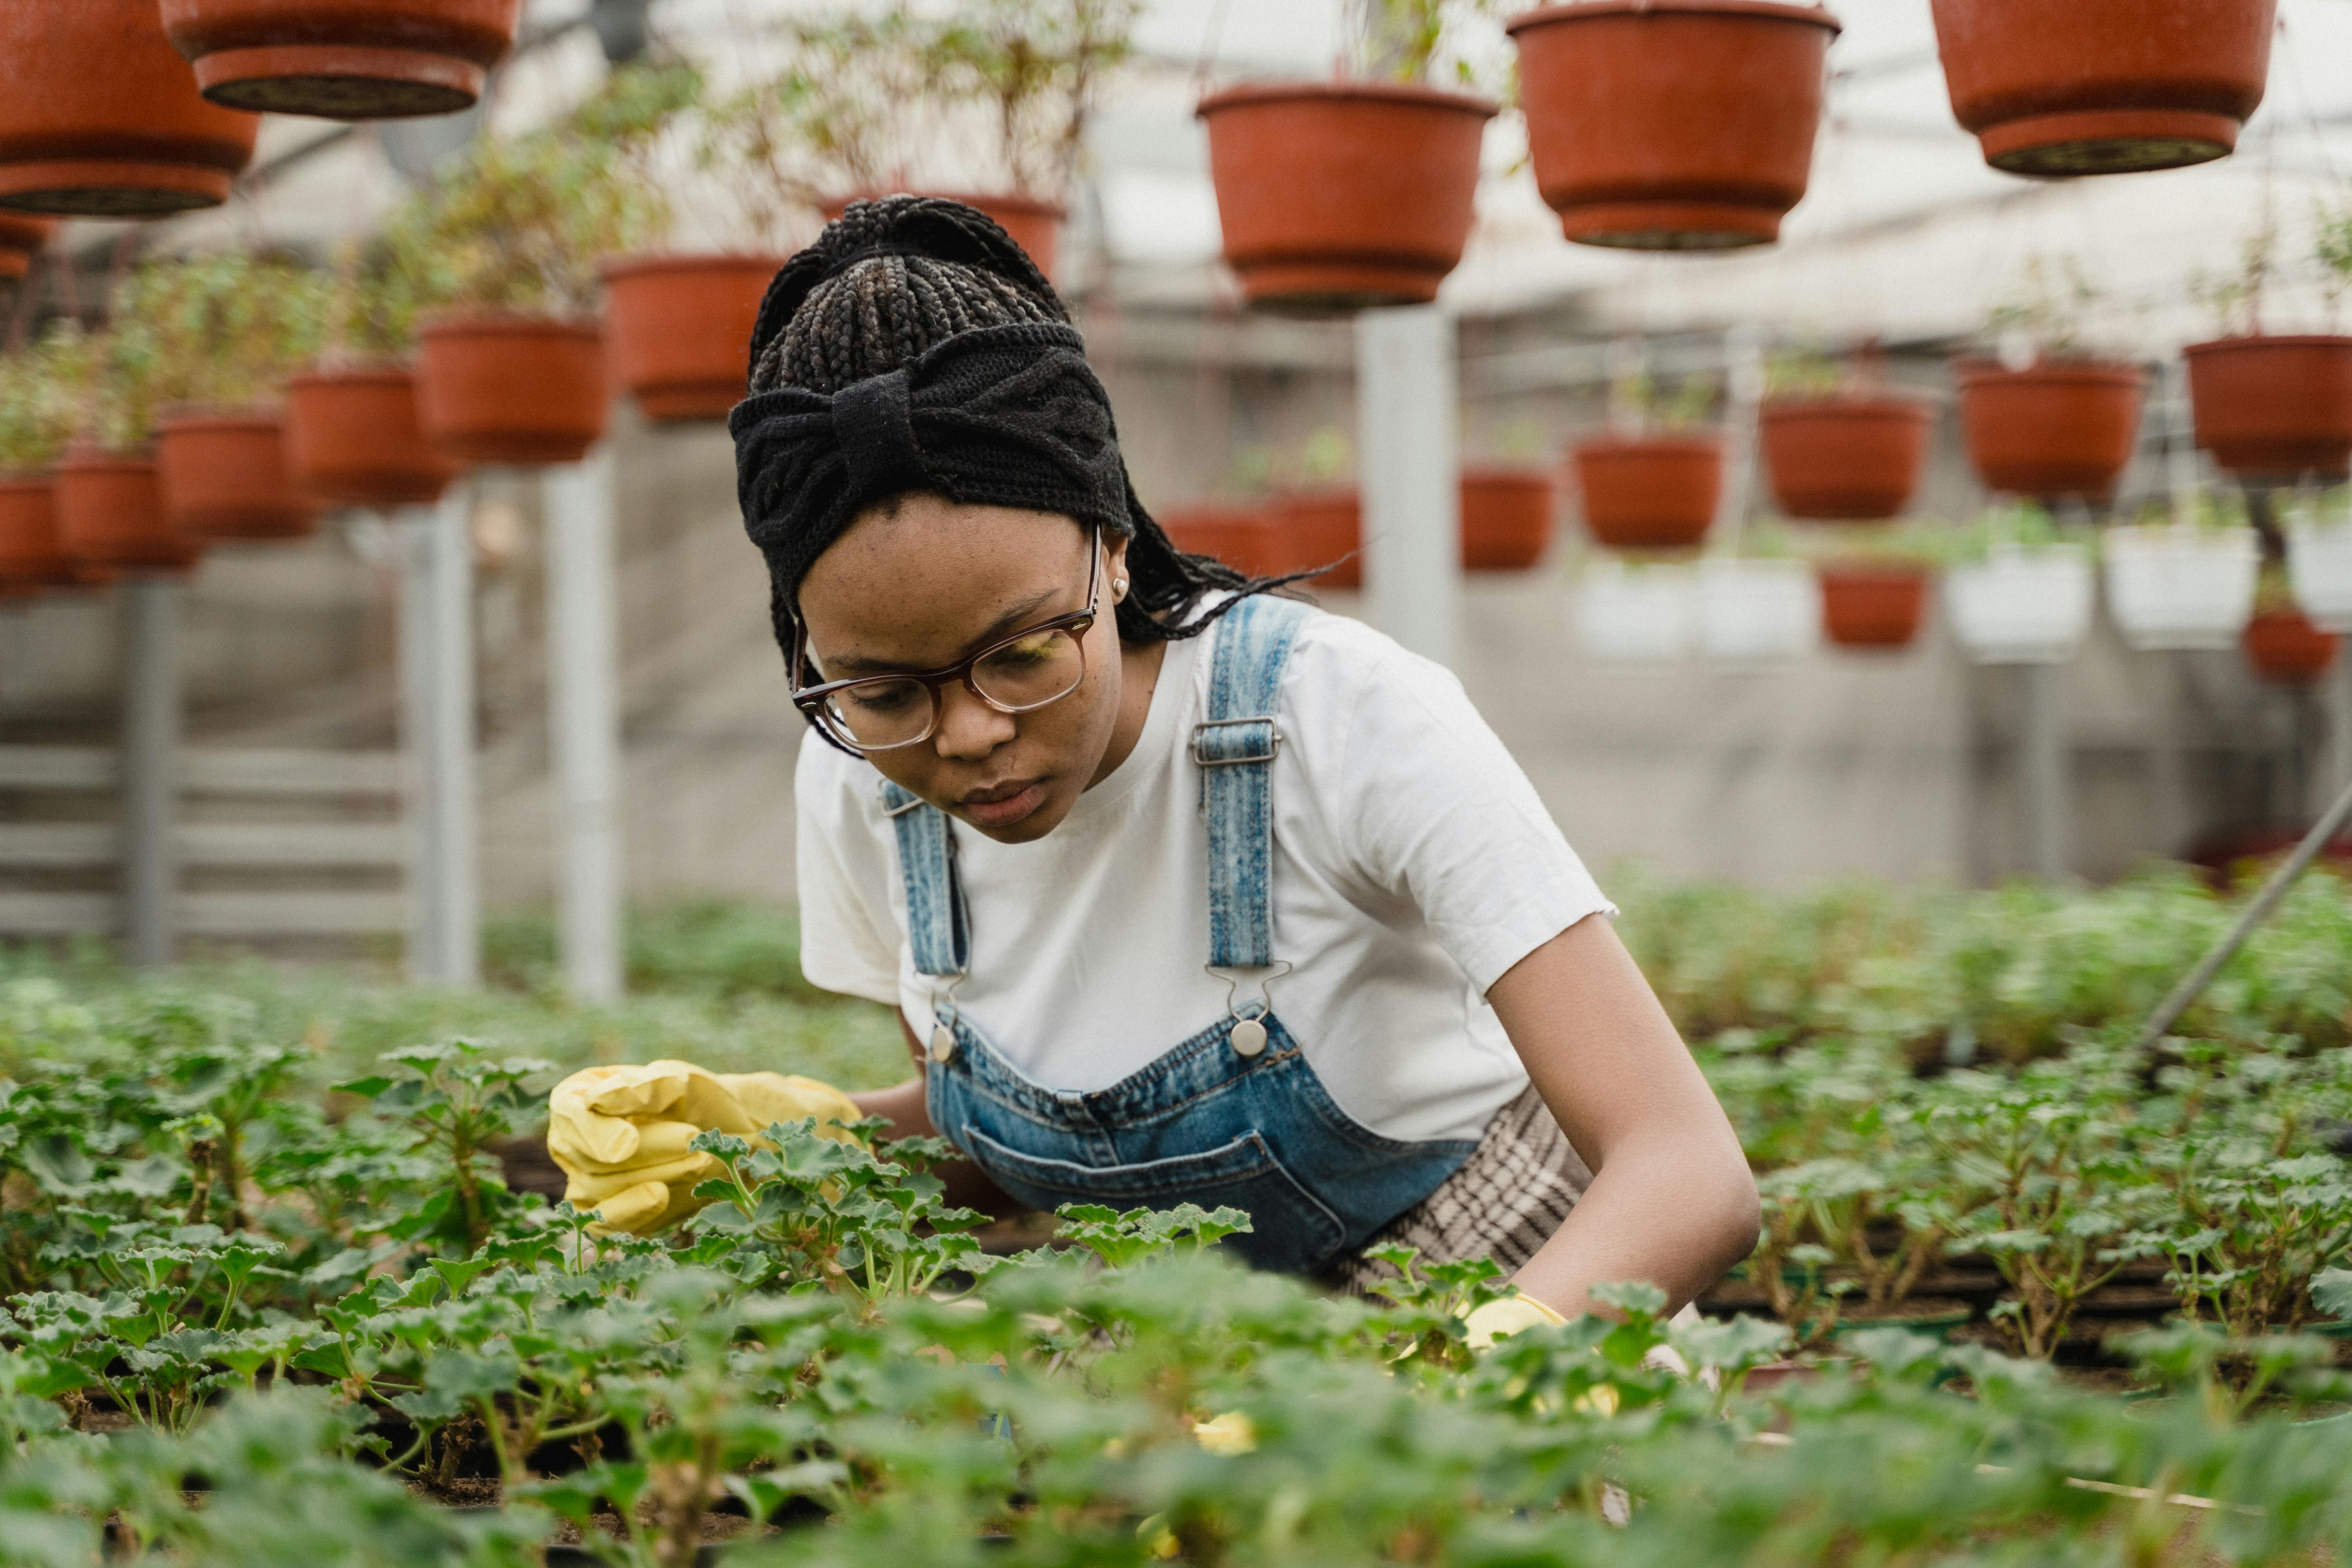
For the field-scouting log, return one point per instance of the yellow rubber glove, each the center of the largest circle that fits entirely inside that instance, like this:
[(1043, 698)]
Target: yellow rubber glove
[(621, 1134), (1511, 1315)]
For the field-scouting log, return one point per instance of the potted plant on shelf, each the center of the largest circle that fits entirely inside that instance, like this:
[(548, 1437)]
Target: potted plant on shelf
[(1336, 195), (109, 493), (1654, 481), (353, 433), (1506, 512), (1874, 581), (2319, 536), (2183, 581), (222, 333), (40, 386), (100, 117), (2019, 589), (343, 59), (2047, 419), (1636, 612), (1672, 124), (2284, 646), (1839, 446), (2103, 87), (1246, 537), (2275, 407), (1760, 605)]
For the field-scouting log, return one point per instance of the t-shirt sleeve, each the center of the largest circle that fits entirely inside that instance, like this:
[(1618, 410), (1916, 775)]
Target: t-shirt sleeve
[(1428, 805), (849, 937)]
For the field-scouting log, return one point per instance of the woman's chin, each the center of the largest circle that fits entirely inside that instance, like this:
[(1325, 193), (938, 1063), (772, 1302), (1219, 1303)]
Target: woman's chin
[(1024, 817)]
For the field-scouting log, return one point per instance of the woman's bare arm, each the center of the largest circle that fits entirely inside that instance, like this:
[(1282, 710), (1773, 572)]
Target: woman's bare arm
[(1672, 1200)]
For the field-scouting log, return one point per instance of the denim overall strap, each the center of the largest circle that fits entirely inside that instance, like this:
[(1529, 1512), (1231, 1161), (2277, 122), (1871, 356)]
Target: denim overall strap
[(1235, 747), (936, 927)]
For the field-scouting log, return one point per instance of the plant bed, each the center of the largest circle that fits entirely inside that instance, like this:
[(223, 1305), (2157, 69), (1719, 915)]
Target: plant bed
[(343, 59), (225, 476), (1873, 604), (2103, 87), (2274, 408), (110, 513), (510, 387), (1338, 195), (1851, 458), (1937, 1318), (1643, 492), (2055, 429), (352, 437), (1505, 518), (99, 119), (1672, 124), (680, 329)]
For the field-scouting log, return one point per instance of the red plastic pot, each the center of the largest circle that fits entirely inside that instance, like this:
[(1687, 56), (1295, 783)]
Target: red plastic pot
[(343, 59), (1672, 124), (110, 513), (1338, 195), (1322, 528), (1036, 225), (1244, 538), (98, 116), (1656, 492), (508, 387), (2103, 87), (2285, 647), (31, 554), (1848, 459), (2274, 408), (1872, 605), (21, 239), (681, 330), (1505, 518), (352, 438), (2056, 429), (224, 477)]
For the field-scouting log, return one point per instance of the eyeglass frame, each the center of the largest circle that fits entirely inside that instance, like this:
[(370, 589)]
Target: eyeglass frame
[(811, 699)]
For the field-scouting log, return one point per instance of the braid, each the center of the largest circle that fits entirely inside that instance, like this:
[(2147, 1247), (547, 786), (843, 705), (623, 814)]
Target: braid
[(891, 279)]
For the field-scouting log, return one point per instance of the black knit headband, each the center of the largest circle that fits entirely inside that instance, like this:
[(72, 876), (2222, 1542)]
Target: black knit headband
[(1007, 415)]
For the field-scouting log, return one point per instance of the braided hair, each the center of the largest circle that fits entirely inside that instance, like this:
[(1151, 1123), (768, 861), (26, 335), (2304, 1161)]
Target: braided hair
[(893, 278)]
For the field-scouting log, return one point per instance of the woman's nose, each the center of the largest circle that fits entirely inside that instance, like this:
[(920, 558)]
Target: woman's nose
[(969, 728)]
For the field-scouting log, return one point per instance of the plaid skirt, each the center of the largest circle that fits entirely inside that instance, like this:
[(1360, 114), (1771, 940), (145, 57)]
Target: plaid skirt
[(1509, 1196)]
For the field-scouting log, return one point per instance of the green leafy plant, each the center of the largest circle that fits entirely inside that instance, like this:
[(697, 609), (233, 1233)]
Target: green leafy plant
[(219, 331), (2045, 314), (41, 389), (456, 1100), (1406, 40)]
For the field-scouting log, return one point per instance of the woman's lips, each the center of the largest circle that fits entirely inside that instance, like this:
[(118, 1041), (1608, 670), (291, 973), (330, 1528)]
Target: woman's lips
[(1005, 804)]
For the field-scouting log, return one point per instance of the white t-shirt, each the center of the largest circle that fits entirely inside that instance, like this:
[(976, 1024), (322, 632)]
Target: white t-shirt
[(1413, 865)]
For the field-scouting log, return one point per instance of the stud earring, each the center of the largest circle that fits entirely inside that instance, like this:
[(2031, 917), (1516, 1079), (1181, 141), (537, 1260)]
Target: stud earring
[(1118, 588)]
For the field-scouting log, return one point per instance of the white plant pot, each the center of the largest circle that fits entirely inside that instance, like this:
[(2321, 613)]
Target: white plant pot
[(2181, 587), (2021, 604), (2319, 567), (1757, 613), (1635, 614)]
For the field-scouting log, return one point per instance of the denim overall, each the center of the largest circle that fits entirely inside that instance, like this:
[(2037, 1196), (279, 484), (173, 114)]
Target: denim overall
[(1233, 1115)]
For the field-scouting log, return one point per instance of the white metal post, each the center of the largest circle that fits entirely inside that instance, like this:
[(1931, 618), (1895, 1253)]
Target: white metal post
[(412, 537), (452, 881), (1743, 354), (2045, 785), (151, 767), (1406, 420), (584, 724)]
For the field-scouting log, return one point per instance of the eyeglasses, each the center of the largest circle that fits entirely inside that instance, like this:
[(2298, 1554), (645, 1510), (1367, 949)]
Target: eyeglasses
[(1020, 674)]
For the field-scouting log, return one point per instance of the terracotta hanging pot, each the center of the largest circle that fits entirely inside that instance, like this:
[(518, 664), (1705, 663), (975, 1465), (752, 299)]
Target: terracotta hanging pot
[(1672, 124), (225, 476), (21, 239), (2285, 647), (1845, 459), (510, 388), (2059, 428), (111, 512), (343, 59), (1872, 605), (30, 554), (1505, 518), (1244, 538), (352, 438), (1322, 528), (1339, 196), (680, 327), (2274, 408), (100, 117), (1650, 492), (2103, 87), (1034, 225)]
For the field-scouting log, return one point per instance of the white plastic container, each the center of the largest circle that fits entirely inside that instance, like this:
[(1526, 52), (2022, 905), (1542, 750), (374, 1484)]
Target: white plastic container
[(1754, 614), (2022, 605), (2172, 587), (2320, 568), (1635, 614)]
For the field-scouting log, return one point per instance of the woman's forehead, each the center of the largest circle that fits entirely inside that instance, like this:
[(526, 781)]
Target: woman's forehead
[(908, 585)]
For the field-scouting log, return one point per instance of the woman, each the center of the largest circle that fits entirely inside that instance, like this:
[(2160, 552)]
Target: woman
[(1183, 893)]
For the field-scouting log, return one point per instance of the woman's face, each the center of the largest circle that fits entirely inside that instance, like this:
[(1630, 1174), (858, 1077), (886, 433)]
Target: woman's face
[(925, 582)]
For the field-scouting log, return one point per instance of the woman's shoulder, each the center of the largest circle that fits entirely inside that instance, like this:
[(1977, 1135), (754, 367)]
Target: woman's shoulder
[(831, 786)]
